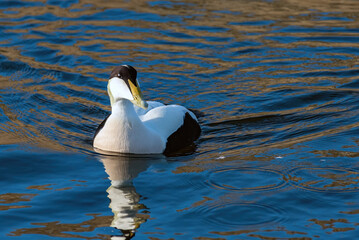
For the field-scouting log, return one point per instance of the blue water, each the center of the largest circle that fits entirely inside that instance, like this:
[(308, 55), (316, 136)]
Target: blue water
[(276, 84)]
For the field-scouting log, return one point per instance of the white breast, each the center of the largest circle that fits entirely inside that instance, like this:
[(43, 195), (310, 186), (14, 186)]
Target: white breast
[(125, 132)]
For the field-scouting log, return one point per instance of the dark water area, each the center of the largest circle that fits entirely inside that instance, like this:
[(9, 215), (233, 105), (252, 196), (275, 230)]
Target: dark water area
[(277, 86)]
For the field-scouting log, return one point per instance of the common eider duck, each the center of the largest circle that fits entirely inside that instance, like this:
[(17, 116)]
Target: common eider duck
[(142, 127)]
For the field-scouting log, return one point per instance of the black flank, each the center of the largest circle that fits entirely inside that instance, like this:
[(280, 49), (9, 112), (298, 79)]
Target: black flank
[(100, 126), (183, 136)]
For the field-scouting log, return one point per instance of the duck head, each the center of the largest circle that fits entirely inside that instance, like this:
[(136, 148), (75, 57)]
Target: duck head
[(123, 84)]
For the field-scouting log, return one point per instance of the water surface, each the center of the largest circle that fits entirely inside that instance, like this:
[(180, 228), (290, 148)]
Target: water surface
[(277, 86)]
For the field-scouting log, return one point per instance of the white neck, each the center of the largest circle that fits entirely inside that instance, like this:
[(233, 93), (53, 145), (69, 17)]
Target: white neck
[(125, 111), (117, 89)]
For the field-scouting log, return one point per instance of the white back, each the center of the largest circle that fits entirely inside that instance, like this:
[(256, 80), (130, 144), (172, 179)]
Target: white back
[(164, 120), (151, 105)]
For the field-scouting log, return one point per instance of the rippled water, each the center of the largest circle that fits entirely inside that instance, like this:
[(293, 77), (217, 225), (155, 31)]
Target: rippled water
[(277, 86)]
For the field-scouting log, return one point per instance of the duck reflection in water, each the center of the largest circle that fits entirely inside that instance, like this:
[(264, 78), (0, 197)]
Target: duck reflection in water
[(125, 201)]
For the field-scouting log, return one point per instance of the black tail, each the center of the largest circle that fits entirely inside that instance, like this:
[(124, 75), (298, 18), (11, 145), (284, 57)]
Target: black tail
[(183, 136)]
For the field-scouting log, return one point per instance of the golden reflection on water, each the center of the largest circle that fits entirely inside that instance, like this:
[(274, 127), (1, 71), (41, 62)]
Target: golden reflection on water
[(57, 229), (258, 11), (41, 187), (11, 198), (330, 224)]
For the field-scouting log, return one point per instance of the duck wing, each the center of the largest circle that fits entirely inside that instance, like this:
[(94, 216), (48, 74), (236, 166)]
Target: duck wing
[(175, 124)]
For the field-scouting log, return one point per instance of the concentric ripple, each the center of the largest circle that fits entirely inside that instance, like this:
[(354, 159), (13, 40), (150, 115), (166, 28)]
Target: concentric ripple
[(325, 179), (232, 215), (246, 179)]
